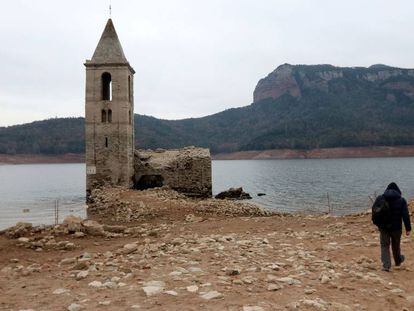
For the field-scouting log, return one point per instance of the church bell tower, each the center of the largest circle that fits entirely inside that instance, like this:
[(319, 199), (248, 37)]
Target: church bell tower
[(109, 114)]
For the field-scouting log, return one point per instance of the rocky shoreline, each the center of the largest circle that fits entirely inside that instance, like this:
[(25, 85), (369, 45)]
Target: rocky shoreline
[(41, 159), (322, 153), (187, 254), (277, 154)]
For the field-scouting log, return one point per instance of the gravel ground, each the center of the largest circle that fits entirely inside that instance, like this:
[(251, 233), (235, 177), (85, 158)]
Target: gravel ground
[(181, 257)]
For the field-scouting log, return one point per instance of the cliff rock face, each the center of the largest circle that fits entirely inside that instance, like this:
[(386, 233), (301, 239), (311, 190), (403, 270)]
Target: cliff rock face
[(279, 82), (294, 80)]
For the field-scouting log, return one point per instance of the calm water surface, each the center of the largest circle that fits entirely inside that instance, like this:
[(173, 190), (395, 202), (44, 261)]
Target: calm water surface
[(304, 185), (29, 192)]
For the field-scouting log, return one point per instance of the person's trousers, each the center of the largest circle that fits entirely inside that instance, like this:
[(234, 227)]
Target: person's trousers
[(392, 238)]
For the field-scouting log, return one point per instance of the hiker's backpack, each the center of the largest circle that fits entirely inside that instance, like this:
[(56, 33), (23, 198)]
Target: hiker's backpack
[(381, 213)]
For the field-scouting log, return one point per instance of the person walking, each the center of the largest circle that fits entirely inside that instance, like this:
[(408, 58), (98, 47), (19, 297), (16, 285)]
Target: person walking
[(388, 213)]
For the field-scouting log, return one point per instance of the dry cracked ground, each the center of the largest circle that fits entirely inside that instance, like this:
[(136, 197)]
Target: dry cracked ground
[(211, 262)]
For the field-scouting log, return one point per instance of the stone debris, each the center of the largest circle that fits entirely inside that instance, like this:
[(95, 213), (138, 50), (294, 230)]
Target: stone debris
[(289, 281), (192, 288), (82, 275), (211, 295), (45, 237), (231, 209), (274, 287), (104, 303), (60, 291), (317, 304), (153, 287), (23, 240), (17, 231), (193, 218), (79, 235), (125, 205), (93, 228), (129, 248), (74, 307), (67, 261), (96, 284), (310, 291), (73, 223)]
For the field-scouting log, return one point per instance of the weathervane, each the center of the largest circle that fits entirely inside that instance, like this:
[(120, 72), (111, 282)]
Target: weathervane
[(110, 9)]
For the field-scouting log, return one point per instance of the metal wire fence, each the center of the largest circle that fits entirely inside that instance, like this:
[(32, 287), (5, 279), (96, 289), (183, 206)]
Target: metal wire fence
[(41, 212)]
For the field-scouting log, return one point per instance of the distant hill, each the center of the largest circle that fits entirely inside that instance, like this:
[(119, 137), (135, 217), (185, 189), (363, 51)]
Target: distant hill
[(295, 107)]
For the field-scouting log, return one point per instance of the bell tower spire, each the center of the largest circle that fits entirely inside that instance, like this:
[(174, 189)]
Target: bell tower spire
[(109, 111)]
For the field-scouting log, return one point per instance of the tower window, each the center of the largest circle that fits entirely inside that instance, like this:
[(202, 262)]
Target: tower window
[(106, 86), (109, 115), (129, 89), (106, 142), (129, 117), (103, 116)]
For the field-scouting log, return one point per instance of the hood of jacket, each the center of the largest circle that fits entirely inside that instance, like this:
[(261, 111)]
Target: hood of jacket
[(391, 195)]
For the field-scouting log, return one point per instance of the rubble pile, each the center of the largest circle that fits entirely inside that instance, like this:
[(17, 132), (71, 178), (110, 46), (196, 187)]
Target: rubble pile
[(231, 209), (74, 225), (122, 205), (41, 238)]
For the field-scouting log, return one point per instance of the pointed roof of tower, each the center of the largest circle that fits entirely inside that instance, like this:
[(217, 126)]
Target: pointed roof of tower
[(109, 49)]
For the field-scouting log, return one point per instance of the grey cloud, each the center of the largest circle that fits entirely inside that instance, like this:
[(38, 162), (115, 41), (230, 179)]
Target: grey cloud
[(192, 58)]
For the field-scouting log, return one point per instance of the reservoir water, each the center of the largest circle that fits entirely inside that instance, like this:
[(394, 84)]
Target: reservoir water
[(30, 192)]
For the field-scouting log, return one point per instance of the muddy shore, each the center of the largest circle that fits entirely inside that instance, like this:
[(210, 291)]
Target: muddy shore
[(41, 159), (187, 254), (323, 153)]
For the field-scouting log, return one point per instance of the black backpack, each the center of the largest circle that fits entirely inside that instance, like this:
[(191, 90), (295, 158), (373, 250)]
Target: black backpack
[(381, 213)]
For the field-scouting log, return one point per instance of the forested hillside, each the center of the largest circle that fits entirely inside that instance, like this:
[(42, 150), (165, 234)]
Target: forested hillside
[(298, 107)]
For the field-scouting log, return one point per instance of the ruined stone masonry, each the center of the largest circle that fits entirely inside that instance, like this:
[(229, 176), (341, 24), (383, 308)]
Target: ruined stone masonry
[(186, 170), (111, 159)]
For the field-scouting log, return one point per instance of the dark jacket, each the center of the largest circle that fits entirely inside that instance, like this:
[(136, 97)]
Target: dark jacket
[(399, 210)]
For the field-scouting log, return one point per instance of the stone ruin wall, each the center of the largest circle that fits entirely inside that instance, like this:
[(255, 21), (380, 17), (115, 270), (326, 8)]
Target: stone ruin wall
[(186, 170)]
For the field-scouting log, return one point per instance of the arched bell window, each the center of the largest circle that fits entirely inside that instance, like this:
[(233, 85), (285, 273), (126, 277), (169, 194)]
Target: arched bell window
[(106, 86)]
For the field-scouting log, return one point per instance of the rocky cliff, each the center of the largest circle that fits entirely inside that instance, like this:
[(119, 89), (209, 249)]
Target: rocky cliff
[(293, 80)]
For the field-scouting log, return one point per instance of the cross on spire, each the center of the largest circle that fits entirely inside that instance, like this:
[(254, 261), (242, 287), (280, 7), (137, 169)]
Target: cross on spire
[(110, 9)]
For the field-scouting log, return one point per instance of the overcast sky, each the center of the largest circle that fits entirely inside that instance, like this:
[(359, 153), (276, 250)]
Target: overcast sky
[(192, 58)]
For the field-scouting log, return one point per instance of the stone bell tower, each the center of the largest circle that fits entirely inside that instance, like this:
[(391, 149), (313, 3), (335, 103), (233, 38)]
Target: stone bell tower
[(109, 114)]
